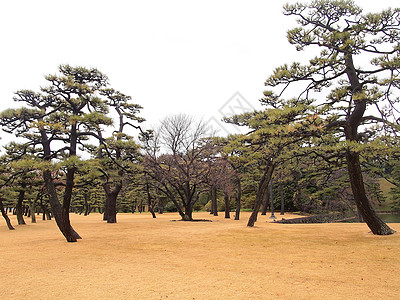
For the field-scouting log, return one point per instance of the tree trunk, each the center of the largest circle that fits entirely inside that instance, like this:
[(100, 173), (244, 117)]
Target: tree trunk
[(227, 205), (111, 202), (353, 121), (262, 187), (5, 216), (32, 205), (365, 208), (171, 196), (150, 203), (265, 203), (86, 197), (112, 208), (271, 198), (188, 216), (282, 195), (188, 203), (19, 207), (238, 199), (70, 234), (43, 209), (61, 214), (214, 203)]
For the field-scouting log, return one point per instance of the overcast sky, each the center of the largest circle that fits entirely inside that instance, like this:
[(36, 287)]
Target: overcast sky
[(170, 56)]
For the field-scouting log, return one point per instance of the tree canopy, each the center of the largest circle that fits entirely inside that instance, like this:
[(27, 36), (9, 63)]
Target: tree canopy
[(354, 80)]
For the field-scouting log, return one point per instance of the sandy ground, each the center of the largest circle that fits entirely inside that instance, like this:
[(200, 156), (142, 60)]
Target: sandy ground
[(145, 258)]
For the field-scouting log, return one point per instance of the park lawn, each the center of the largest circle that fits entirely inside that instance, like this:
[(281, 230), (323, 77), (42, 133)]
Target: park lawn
[(145, 258)]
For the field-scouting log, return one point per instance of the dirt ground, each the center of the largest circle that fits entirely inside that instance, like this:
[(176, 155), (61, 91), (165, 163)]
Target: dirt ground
[(145, 258)]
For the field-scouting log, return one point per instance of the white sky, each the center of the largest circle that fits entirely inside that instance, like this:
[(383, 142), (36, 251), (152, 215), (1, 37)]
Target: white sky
[(170, 56)]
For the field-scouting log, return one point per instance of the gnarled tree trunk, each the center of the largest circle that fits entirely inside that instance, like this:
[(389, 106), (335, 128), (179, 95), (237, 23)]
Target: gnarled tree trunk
[(19, 207), (60, 213), (188, 215), (262, 189), (374, 222), (110, 210), (5, 216)]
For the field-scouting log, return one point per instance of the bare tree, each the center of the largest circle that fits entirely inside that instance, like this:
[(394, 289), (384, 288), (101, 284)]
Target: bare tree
[(177, 154)]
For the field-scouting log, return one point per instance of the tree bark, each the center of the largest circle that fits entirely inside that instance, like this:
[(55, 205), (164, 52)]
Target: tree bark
[(262, 187), (42, 206), (353, 121), (150, 203), (19, 207), (111, 200), (374, 222), (271, 198), (227, 205), (70, 234), (176, 203), (5, 216), (214, 203), (238, 199), (60, 213), (86, 198), (32, 205), (188, 215)]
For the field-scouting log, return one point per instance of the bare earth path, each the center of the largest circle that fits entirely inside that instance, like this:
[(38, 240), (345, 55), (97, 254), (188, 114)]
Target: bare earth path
[(145, 258)]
